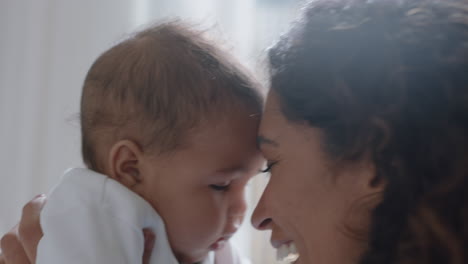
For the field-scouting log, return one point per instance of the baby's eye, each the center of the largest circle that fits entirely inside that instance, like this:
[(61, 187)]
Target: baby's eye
[(221, 187)]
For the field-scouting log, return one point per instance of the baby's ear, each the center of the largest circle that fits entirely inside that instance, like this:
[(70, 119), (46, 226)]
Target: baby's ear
[(124, 163)]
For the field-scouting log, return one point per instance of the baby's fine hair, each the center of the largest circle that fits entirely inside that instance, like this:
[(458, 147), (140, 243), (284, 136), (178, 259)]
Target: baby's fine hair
[(157, 85)]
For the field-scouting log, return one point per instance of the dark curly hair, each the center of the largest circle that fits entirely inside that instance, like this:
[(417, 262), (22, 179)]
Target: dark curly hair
[(389, 78)]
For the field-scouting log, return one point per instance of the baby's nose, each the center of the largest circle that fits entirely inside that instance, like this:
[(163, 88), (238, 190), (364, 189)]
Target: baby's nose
[(238, 207), (233, 225)]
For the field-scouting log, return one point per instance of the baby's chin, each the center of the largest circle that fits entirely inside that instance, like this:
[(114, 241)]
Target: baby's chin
[(192, 258)]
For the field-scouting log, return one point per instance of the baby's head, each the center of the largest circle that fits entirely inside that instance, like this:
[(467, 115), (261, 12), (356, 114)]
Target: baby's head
[(171, 117)]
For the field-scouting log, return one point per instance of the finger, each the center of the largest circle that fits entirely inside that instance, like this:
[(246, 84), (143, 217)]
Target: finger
[(13, 252), (17, 259), (150, 238), (29, 229)]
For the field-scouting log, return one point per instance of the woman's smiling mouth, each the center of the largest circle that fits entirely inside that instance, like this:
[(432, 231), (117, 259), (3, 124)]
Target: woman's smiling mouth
[(287, 252)]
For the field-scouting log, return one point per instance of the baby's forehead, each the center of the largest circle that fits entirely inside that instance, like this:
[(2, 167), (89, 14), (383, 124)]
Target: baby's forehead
[(224, 146)]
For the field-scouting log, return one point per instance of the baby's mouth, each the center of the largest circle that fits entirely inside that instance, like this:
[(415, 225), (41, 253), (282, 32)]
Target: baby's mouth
[(219, 244), (287, 253)]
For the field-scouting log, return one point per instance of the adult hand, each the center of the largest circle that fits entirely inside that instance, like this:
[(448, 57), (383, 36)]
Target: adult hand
[(19, 245), (149, 244)]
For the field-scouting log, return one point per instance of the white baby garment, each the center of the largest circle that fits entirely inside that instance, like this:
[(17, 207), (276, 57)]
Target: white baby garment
[(90, 218)]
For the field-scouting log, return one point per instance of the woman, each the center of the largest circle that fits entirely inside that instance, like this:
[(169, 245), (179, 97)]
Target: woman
[(366, 135)]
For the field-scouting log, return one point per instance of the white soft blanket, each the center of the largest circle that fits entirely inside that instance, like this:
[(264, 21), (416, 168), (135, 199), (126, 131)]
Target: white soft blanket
[(90, 218)]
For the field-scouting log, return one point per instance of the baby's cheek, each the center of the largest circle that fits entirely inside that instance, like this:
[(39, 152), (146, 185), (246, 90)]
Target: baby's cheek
[(198, 223), (212, 223)]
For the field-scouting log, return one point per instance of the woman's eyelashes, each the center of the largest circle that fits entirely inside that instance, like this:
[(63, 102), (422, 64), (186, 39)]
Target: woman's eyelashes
[(269, 166)]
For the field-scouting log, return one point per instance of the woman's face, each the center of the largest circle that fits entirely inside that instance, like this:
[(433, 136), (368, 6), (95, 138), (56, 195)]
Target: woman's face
[(308, 201)]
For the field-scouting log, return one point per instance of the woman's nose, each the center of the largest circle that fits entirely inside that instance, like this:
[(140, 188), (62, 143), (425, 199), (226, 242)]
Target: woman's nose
[(260, 218)]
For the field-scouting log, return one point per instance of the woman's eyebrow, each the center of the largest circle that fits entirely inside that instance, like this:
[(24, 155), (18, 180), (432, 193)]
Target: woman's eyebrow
[(262, 140)]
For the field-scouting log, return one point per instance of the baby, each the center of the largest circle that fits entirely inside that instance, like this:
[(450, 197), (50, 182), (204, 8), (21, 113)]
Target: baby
[(169, 118)]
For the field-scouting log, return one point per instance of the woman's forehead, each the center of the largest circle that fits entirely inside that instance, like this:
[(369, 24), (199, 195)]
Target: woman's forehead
[(272, 114)]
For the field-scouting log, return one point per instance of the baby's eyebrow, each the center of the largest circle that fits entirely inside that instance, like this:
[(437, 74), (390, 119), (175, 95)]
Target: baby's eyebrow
[(231, 173), (231, 170)]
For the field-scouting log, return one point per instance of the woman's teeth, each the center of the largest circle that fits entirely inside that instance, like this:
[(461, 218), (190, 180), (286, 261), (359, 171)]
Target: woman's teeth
[(287, 253)]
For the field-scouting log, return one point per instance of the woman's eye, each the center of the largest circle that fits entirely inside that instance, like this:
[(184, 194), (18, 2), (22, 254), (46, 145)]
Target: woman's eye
[(220, 187), (270, 165)]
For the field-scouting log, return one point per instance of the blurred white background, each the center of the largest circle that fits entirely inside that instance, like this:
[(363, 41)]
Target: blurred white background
[(46, 48)]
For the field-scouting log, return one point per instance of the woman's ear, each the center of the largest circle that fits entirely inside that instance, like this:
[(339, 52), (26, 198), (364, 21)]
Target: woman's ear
[(124, 163), (381, 139)]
